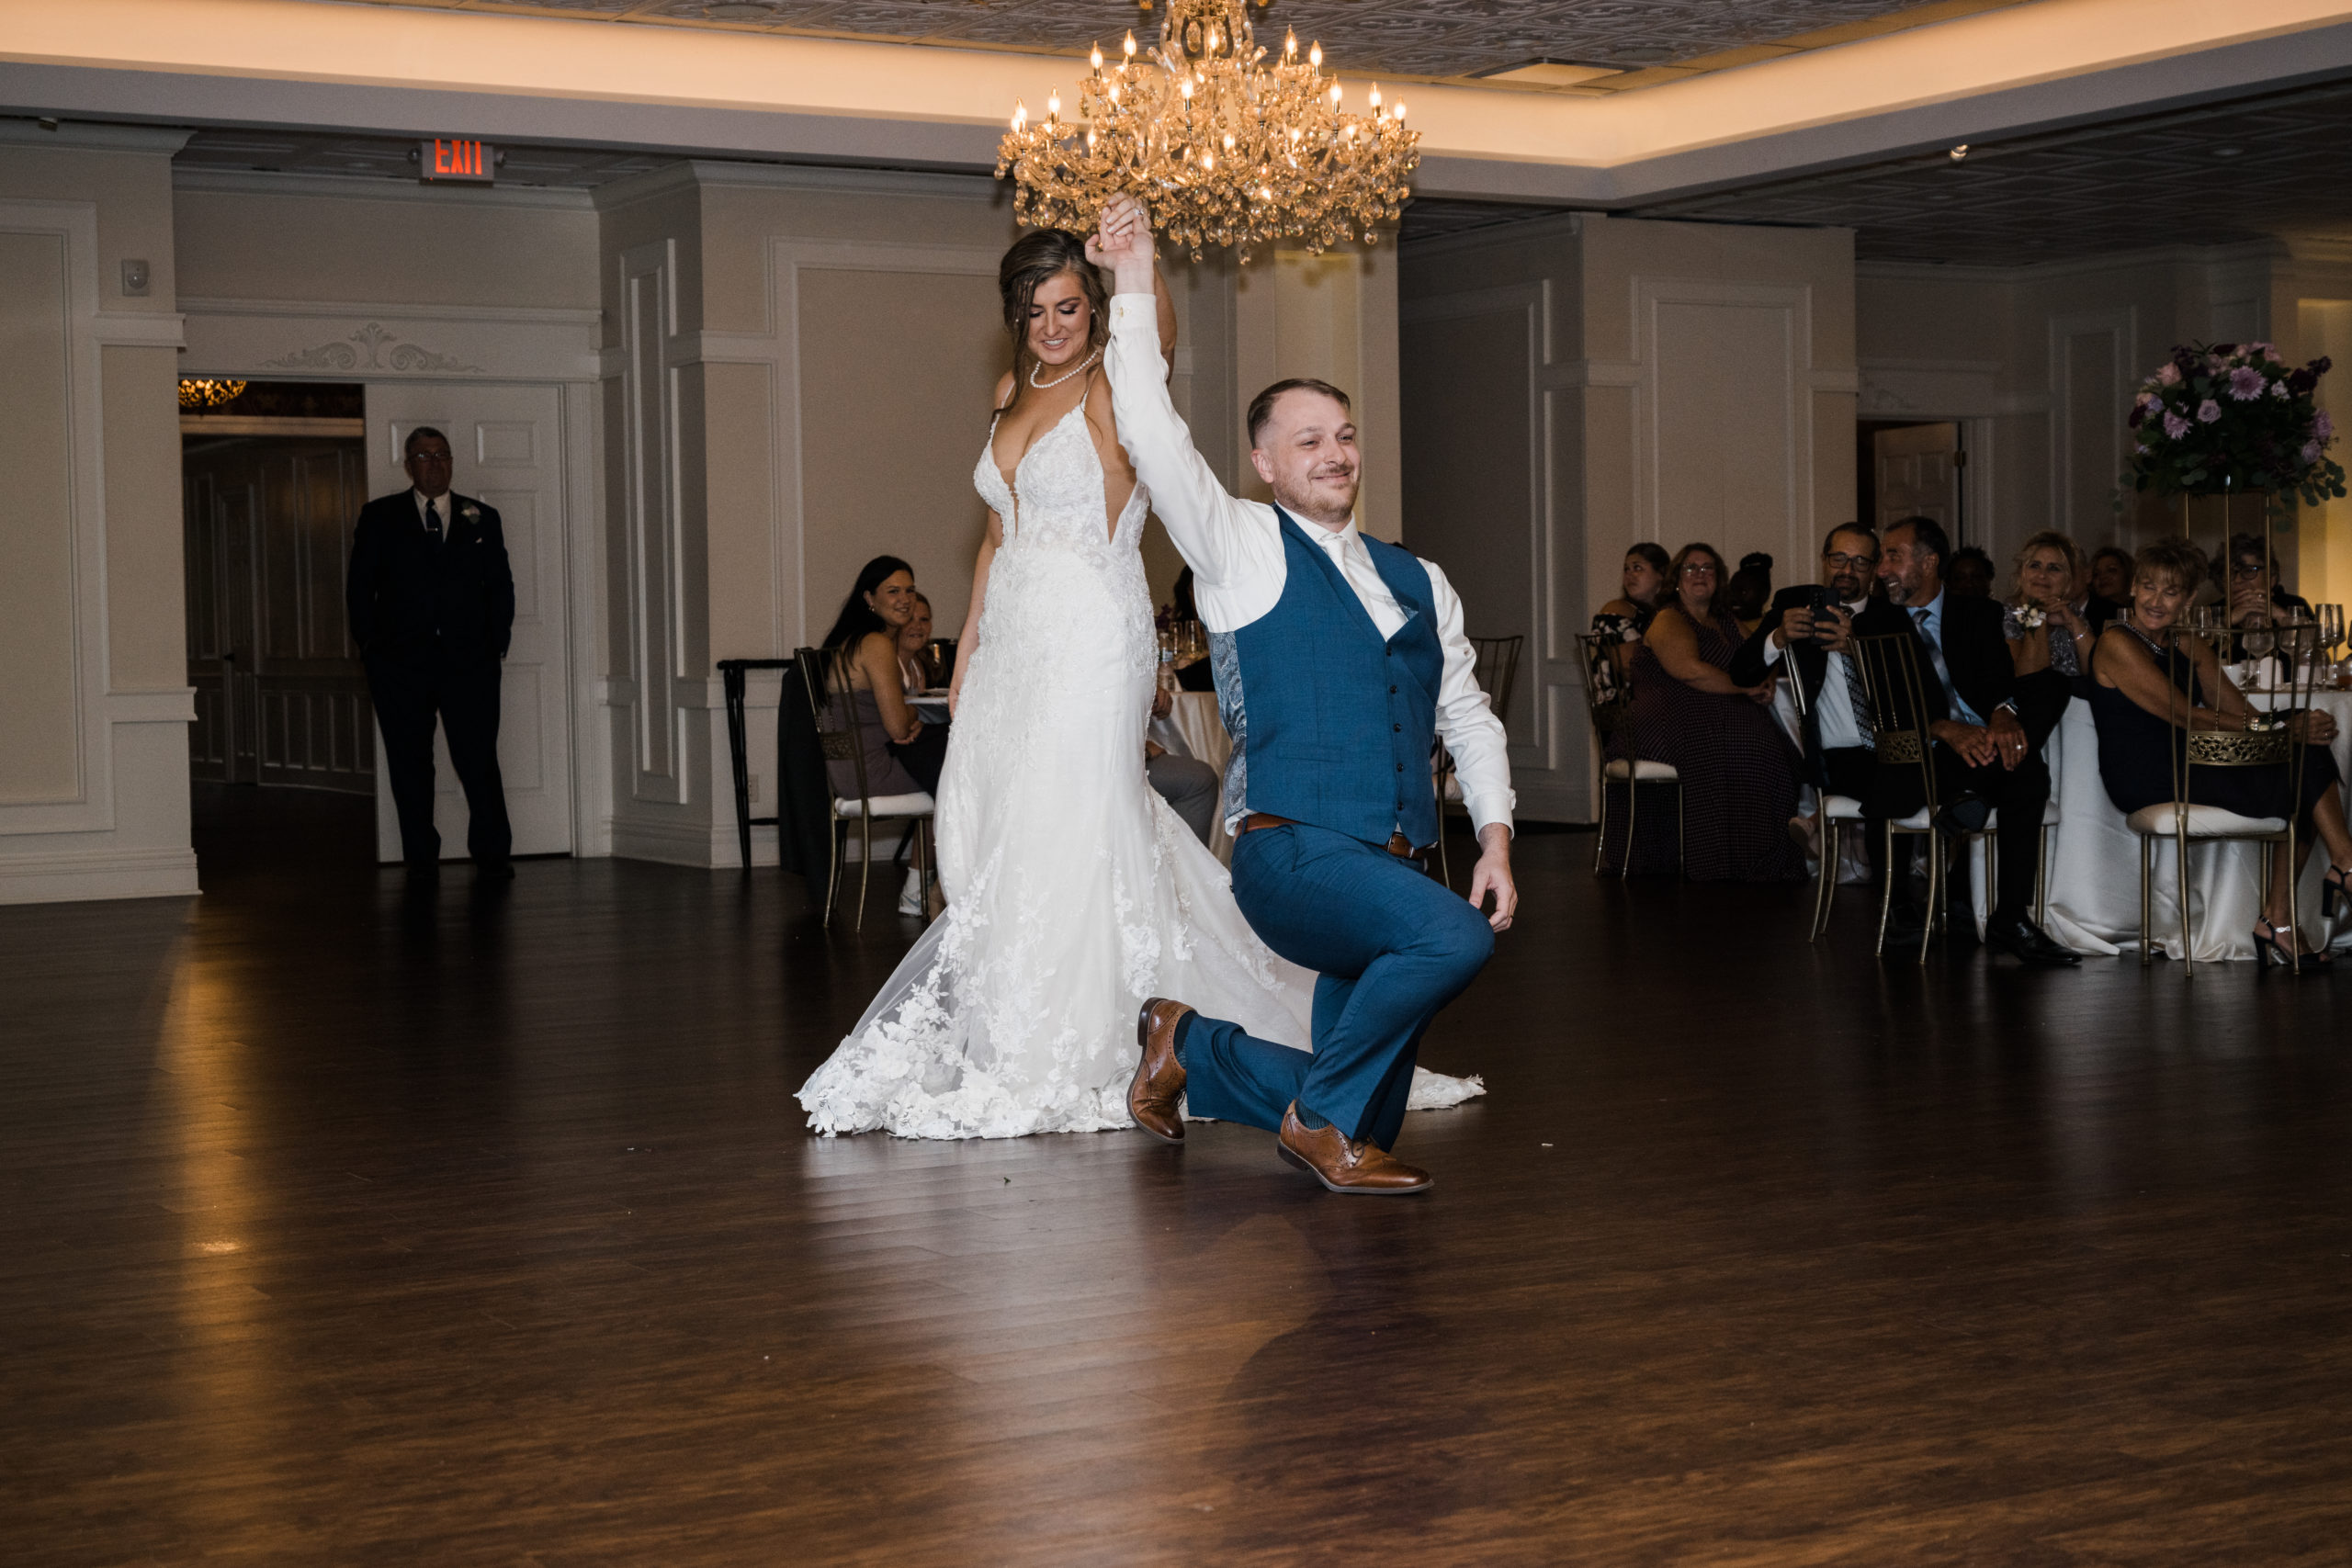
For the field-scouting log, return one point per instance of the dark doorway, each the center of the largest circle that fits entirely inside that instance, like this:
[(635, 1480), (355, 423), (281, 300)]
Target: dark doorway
[(271, 483)]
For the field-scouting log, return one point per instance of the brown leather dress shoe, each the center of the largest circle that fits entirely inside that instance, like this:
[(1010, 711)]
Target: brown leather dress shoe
[(1342, 1164), (1160, 1078)]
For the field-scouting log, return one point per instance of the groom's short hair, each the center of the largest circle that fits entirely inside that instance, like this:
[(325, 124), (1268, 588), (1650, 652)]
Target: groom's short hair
[(1261, 407)]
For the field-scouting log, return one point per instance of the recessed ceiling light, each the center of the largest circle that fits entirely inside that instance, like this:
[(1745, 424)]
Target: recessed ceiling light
[(1960, 151), (2227, 152)]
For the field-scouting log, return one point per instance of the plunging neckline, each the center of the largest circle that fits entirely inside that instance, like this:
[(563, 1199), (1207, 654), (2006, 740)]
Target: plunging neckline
[(1012, 479)]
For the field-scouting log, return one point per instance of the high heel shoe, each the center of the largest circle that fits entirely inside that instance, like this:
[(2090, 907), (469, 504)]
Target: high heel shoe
[(2270, 950), (2331, 887)]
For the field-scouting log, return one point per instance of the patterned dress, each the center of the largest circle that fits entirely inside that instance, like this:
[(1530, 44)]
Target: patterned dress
[(1739, 769)]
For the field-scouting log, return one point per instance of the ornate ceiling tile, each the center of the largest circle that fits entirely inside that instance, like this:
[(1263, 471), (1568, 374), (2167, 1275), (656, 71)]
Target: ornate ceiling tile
[(1423, 37)]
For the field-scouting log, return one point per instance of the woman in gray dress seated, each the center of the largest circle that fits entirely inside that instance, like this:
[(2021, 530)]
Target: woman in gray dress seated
[(903, 753)]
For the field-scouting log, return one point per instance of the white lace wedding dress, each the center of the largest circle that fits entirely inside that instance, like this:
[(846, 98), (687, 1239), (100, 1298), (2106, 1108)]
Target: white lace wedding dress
[(1073, 891)]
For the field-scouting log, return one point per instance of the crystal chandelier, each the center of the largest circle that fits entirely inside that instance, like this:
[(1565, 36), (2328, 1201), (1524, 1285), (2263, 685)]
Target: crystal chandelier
[(205, 392), (1224, 148)]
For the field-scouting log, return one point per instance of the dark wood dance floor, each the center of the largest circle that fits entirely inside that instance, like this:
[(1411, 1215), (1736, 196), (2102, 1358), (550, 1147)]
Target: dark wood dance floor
[(350, 1228)]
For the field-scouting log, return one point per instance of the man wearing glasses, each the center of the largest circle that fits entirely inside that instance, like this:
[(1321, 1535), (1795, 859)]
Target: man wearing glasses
[(432, 604), (1810, 627)]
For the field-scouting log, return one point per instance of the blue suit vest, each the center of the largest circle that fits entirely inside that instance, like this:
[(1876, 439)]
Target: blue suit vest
[(1331, 725)]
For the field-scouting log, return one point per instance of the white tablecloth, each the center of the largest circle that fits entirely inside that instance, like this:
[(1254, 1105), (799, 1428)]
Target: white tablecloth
[(2094, 860), (1192, 729)]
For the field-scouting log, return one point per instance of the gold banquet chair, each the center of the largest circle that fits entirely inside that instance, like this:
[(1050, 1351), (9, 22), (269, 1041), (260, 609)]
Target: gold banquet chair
[(1897, 693), (1496, 671), (841, 735), (1838, 812), (2185, 822), (1609, 703)]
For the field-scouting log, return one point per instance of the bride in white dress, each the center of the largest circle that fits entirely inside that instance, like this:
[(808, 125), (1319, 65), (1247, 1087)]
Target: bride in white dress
[(1073, 891)]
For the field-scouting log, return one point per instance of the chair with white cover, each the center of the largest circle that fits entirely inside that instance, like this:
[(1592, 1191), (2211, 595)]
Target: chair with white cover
[(1609, 702), (1497, 670), (841, 733), (2184, 821)]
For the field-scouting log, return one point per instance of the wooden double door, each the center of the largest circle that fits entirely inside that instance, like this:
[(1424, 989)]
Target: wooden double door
[(280, 697)]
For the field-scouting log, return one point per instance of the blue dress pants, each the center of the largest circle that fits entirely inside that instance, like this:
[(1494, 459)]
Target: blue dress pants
[(1391, 946)]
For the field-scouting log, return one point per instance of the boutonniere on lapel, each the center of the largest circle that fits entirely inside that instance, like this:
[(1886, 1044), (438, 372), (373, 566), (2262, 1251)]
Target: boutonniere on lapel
[(470, 513)]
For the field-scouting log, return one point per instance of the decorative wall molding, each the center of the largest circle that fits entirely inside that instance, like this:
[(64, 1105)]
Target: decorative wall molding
[(85, 874), (373, 348), (1930, 388), (168, 704), (89, 806), (261, 182), (140, 329), (261, 338)]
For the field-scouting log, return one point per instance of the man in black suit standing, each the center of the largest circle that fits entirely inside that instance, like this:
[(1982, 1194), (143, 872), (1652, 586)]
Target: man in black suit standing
[(431, 606), (1982, 758)]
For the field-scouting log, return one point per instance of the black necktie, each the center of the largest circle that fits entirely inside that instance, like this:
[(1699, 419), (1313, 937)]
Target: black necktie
[(433, 521)]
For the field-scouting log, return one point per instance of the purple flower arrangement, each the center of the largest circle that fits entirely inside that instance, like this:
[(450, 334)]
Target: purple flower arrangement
[(2229, 417)]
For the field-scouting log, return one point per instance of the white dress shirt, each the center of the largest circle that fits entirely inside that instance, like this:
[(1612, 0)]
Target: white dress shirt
[(1235, 548), (1833, 707)]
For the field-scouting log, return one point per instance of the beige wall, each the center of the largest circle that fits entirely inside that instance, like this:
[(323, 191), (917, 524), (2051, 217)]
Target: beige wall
[(1332, 317), (93, 719), (836, 340), (442, 245), (2041, 363), (1573, 386)]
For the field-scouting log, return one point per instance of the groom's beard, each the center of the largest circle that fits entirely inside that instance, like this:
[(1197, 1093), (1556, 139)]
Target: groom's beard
[(1323, 503)]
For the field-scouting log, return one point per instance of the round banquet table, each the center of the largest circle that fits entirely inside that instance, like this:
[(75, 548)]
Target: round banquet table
[(2093, 867), (1192, 729)]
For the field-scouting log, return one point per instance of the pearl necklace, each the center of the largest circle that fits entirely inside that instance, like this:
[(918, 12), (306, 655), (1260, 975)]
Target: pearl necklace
[(1084, 364)]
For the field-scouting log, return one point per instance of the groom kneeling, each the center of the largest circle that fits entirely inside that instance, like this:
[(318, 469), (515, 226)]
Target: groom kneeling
[(1339, 661)]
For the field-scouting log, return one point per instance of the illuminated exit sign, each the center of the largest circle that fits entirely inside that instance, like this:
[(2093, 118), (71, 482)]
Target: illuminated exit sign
[(458, 158)]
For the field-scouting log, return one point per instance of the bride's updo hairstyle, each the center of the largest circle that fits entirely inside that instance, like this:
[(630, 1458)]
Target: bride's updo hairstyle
[(1034, 259)]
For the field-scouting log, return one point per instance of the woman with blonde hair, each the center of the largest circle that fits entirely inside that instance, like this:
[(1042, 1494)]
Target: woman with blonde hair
[(2150, 687)]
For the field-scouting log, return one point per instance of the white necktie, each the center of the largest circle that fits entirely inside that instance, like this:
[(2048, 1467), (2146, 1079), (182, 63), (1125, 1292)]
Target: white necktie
[(1357, 570)]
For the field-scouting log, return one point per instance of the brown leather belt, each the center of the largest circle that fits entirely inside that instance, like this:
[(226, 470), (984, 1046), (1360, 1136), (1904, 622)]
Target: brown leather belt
[(1398, 845)]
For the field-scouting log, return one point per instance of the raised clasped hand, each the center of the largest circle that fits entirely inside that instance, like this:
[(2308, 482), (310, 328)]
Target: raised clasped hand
[(1121, 233)]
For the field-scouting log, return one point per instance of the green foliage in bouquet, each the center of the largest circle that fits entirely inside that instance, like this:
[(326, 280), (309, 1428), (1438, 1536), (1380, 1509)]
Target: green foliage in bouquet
[(2223, 418)]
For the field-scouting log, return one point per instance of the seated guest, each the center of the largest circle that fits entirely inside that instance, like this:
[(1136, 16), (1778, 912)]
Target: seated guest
[(1837, 754), (2149, 689), (1626, 617), (1200, 675), (2253, 579), (903, 754), (916, 665), (1749, 590), (2110, 584), (1971, 576), (2047, 621), (1738, 772), (1188, 784), (1981, 756)]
